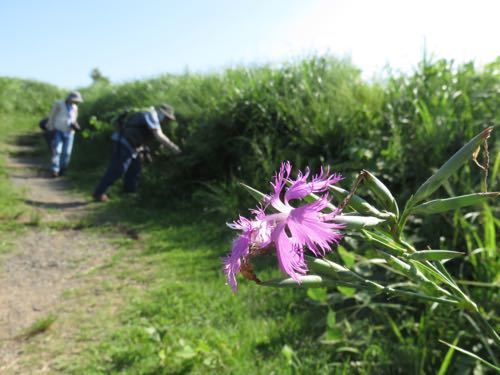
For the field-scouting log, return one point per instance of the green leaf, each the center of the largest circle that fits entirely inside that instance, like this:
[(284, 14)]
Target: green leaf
[(346, 291), (475, 356), (346, 349), (347, 257), (307, 281), (490, 237), (332, 336), (358, 203), (435, 255), (187, 352), (429, 272), (443, 369), (448, 168), (384, 242), (357, 222), (330, 269), (254, 192), (331, 319), (317, 294), (381, 192), (288, 353), (448, 204), (395, 328), (396, 263)]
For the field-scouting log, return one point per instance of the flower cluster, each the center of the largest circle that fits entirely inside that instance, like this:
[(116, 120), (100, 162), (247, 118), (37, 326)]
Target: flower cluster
[(290, 228)]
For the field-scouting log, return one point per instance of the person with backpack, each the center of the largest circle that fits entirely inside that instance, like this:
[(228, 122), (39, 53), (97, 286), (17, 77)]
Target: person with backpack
[(62, 125), (134, 132)]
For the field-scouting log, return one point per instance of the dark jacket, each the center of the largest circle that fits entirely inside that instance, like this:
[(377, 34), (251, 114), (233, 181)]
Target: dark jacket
[(136, 131)]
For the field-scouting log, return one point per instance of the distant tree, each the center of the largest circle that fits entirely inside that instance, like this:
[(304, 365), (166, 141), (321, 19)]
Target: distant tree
[(98, 77)]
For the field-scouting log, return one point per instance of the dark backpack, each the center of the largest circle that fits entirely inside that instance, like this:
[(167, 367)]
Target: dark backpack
[(121, 118), (43, 123)]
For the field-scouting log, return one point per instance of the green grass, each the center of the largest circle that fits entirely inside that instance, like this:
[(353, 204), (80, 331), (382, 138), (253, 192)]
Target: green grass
[(41, 325), (188, 319)]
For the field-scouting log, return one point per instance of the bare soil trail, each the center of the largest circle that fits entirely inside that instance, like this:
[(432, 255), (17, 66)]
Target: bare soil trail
[(49, 258)]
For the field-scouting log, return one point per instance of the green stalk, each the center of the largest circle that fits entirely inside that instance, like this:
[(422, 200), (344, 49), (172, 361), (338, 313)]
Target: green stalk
[(404, 217), (315, 281), (418, 295), (329, 269)]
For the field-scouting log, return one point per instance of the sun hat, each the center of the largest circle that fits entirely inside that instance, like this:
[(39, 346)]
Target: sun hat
[(74, 96), (167, 110)]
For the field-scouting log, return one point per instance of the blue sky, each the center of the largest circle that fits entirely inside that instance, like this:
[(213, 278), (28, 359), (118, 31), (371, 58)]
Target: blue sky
[(60, 42)]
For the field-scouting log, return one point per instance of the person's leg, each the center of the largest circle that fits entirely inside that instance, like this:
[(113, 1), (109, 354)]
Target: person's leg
[(47, 135), (131, 178), (118, 165), (67, 147), (57, 145)]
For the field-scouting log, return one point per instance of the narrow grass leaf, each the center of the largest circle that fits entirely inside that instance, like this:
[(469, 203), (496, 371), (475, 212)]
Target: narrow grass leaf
[(435, 255), (254, 192), (448, 168), (496, 168), (384, 242), (395, 328), (429, 272), (443, 369), (357, 203), (490, 237), (448, 204), (475, 356), (381, 192)]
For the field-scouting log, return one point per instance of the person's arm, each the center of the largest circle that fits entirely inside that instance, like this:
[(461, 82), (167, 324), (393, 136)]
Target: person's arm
[(154, 125), (163, 139)]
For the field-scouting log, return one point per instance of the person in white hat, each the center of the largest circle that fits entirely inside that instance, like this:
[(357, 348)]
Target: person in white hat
[(63, 123)]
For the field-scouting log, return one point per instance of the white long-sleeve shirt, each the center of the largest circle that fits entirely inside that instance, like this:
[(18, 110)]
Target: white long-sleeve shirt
[(62, 116)]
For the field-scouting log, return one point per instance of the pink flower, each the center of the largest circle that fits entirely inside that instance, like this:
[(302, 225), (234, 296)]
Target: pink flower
[(291, 229), (302, 226), (255, 233)]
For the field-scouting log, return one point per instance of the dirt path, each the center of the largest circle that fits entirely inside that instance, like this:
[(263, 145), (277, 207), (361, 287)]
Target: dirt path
[(49, 258)]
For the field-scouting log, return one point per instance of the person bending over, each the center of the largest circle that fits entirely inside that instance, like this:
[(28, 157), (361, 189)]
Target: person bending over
[(137, 130)]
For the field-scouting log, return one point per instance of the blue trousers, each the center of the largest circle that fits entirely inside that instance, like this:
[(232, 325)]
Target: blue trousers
[(122, 163), (62, 145)]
